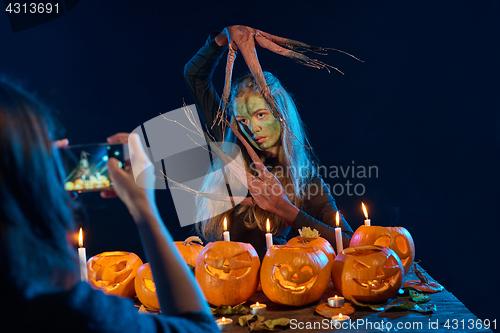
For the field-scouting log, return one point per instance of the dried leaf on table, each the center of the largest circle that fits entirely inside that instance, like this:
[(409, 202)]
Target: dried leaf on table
[(245, 320), (277, 322), (423, 284), (419, 297), (399, 305), (228, 310)]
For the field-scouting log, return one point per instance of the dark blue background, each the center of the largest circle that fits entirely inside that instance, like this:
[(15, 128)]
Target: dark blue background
[(423, 108)]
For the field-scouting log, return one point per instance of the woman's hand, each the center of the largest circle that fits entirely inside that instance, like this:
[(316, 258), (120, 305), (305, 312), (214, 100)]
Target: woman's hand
[(61, 143), (268, 194), (139, 200)]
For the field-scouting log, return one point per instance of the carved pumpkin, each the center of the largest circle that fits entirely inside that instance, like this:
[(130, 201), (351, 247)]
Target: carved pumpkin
[(294, 275), (145, 288), (114, 272), (368, 273), (397, 239), (189, 249), (228, 272)]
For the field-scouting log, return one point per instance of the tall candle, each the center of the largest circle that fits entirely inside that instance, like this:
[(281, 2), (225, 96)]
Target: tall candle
[(269, 235), (367, 220), (338, 235), (226, 233), (82, 255)]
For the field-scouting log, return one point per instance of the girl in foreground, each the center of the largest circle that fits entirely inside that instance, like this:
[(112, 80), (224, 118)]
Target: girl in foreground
[(39, 281)]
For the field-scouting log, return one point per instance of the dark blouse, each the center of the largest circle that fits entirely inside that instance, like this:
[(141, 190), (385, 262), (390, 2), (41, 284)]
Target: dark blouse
[(319, 208)]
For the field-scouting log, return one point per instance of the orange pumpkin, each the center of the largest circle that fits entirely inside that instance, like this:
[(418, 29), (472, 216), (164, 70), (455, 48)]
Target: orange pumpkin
[(317, 241), (145, 288), (114, 272), (294, 275), (228, 272), (397, 239), (368, 273), (189, 249)]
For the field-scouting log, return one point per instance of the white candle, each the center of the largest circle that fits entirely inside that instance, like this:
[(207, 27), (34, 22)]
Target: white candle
[(336, 302), (224, 324), (82, 258), (367, 220), (258, 308), (226, 233), (338, 235), (269, 235)]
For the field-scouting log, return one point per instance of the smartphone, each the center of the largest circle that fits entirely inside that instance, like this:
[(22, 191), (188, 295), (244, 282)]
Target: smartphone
[(86, 168)]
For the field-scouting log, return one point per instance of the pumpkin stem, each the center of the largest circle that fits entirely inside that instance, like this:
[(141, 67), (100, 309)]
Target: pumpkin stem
[(192, 239)]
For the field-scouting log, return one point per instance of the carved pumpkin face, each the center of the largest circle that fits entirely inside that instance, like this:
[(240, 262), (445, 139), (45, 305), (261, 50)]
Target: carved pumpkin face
[(145, 288), (228, 272), (368, 273), (397, 239), (294, 275), (114, 272)]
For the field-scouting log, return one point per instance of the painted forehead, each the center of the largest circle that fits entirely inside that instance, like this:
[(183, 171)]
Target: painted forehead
[(248, 104)]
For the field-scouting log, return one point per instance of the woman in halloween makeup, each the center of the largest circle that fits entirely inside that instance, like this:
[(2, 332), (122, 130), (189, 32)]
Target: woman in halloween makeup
[(39, 278), (302, 198)]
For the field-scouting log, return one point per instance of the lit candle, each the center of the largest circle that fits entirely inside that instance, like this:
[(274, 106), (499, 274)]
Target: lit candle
[(224, 324), (367, 220), (269, 235), (338, 235), (83, 258), (340, 318), (226, 233), (336, 302), (258, 308)]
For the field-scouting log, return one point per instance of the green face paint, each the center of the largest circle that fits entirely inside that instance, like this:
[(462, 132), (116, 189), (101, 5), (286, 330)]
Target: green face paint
[(257, 123)]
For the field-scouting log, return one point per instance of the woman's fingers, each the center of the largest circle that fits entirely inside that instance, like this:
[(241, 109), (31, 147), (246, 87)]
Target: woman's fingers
[(61, 143), (118, 138)]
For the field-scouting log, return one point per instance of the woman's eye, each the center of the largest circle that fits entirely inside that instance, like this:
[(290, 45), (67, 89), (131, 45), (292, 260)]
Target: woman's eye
[(261, 115), (242, 121)]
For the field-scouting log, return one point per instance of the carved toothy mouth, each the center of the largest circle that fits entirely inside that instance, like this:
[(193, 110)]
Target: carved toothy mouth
[(379, 284), (295, 284)]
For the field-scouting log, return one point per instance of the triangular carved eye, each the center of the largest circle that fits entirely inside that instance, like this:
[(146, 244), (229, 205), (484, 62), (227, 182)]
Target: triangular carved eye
[(391, 262), (402, 244), (359, 265), (379, 272), (119, 266)]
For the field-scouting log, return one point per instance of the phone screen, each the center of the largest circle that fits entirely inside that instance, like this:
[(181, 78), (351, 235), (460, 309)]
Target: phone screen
[(86, 168)]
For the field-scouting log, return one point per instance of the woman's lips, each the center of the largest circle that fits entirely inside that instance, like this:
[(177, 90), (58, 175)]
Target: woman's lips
[(260, 139)]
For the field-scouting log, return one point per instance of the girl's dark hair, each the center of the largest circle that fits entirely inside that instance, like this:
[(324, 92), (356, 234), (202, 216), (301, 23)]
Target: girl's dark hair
[(36, 213)]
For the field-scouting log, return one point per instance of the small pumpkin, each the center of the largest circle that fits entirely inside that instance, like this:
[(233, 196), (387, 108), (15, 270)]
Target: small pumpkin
[(397, 239), (294, 275), (189, 249), (368, 273), (228, 272), (145, 288), (114, 272)]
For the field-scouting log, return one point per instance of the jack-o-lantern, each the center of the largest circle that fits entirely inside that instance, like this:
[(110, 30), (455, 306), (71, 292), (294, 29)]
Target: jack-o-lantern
[(294, 275), (114, 272), (397, 239), (368, 273), (228, 272), (313, 240), (145, 288), (189, 249)]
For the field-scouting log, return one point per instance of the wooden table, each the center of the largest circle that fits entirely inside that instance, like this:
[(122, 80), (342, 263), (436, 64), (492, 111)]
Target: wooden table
[(451, 316)]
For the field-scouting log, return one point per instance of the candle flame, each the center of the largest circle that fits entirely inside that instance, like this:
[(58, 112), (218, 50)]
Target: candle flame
[(80, 238), (268, 226), (364, 210), (223, 319), (340, 315), (258, 302), (335, 296), (225, 224), (337, 219)]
